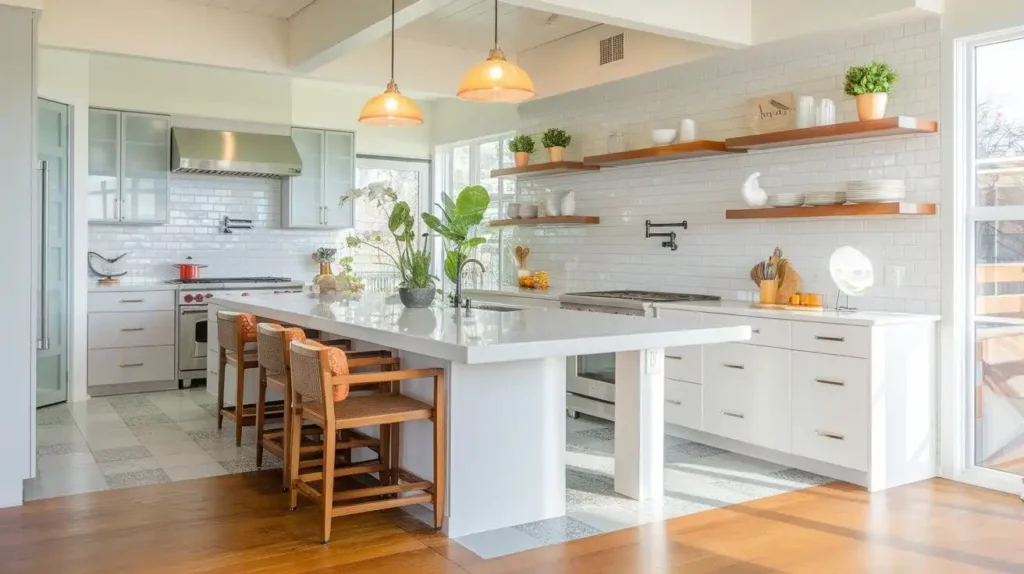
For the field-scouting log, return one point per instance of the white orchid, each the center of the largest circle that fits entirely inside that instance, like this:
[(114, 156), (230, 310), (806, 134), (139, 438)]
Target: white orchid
[(378, 192)]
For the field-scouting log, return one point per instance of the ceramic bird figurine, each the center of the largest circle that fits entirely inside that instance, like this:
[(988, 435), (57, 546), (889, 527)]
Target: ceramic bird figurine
[(753, 194)]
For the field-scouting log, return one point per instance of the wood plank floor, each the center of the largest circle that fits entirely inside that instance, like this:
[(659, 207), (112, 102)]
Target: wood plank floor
[(239, 523)]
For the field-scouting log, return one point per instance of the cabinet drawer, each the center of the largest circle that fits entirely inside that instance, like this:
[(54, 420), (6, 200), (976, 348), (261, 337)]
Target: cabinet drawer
[(132, 301), (684, 404), (685, 364), (763, 332), (746, 393), (830, 406), (689, 319), (115, 330), (847, 340), (131, 365)]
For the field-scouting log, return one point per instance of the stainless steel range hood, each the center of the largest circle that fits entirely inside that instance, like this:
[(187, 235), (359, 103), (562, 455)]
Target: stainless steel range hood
[(233, 153)]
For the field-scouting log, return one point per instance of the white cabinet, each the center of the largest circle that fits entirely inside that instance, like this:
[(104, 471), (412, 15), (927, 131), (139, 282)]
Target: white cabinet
[(850, 400), (131, 341), (129, 167), (311, 200)]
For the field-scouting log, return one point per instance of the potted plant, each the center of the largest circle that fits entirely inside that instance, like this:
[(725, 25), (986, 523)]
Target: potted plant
[(460, 216), (410, 257), (556, 140), (522, 145), (870, 85)]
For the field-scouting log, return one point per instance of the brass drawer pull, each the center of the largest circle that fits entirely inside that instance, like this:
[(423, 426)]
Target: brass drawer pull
[(728, 366), (132, 329), (828, 382), (830, 435), (734, 415), (132, 365), (827, 338), (133, 300), (670, 401)]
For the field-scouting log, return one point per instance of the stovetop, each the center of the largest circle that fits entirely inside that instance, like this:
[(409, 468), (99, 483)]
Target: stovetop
[(210, 280), (646, 296)]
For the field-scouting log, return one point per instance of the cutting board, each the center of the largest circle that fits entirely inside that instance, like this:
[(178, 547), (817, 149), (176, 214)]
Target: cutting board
[(782, 307)]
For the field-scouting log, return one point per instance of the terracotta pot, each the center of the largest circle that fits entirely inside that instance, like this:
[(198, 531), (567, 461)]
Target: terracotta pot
[(522, 158), (871, 106), (555, 153)]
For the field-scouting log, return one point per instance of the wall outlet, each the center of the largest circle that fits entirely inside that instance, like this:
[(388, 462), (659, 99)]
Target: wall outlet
[(895, 276)]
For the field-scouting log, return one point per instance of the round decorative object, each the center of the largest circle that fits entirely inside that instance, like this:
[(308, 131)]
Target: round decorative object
[(851, 271), (663, 136), (753, 193), (417, 297)]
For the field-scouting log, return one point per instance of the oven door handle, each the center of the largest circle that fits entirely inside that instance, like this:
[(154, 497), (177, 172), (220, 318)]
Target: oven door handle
[(192, 311)]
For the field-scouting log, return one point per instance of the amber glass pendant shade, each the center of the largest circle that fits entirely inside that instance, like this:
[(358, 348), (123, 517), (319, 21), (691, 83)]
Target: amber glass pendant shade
[(496, 80), (391, 109)]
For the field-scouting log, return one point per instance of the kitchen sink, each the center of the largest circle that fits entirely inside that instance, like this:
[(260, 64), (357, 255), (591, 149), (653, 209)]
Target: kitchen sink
[(498, 308)]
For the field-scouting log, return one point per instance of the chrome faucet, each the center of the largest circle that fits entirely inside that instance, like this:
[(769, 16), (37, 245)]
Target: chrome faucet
[(458, 279)]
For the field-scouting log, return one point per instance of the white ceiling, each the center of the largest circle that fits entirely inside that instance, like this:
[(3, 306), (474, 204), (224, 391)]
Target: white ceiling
[(469, 24), (275, 8)]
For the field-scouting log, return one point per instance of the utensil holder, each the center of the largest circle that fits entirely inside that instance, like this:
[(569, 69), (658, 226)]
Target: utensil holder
[(769, 291)]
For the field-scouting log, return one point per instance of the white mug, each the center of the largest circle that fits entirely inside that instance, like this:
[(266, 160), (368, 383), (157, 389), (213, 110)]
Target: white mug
[(805, 112), (687, 130), (826, 112)]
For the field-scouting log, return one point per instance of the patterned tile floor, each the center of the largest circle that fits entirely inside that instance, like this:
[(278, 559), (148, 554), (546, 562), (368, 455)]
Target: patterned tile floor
[(134, 440), (697, 477)]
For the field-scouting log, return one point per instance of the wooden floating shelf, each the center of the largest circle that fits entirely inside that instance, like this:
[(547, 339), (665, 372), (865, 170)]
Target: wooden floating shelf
[(561, 220), (833, 211), (671, 152), (540, 169), (897, 125)]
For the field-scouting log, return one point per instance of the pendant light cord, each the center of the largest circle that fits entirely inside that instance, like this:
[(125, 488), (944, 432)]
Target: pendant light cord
[(495, 23), (393, 40)]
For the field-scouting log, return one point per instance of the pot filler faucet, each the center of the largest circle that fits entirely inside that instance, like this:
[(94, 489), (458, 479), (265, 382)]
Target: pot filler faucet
[(671, 243)]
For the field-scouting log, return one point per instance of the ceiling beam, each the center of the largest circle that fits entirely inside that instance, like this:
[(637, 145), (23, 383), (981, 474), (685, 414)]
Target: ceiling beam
[(329, 29), (727, 23)]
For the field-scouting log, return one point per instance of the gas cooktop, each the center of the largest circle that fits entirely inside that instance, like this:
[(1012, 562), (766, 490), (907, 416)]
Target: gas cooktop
[(210, 280), (646, 296)]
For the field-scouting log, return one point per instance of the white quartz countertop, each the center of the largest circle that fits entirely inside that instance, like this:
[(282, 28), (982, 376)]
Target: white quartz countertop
[(865, 318), (482, 337), (126, 287)]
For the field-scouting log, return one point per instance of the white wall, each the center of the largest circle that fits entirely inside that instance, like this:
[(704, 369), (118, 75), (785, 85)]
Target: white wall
[(573, 62), (975, 16), (780, 19), (715, 255), (456, 120)]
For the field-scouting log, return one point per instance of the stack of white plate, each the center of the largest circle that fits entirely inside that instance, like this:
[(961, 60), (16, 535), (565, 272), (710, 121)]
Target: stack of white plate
[(878, 191), (825, 198), (786, 199)]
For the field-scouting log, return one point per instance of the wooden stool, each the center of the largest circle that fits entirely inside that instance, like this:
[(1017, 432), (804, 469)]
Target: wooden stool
[(273, 357), (320, 385), (236, 331)]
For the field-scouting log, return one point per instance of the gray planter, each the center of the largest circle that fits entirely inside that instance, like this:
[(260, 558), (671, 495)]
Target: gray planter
[(417, 297)]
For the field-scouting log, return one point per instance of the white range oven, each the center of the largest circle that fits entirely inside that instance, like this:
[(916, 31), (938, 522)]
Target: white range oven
[(590, 379), (193, 325)]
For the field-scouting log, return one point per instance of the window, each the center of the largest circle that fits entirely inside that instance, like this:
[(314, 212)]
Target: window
[(411, 181), (470, 163)]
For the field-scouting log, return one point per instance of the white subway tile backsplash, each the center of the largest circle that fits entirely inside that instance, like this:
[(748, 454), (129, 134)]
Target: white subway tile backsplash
[(197, 207), (715, 255)]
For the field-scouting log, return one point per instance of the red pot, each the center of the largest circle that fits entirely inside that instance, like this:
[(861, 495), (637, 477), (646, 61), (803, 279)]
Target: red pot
[(188, 271)]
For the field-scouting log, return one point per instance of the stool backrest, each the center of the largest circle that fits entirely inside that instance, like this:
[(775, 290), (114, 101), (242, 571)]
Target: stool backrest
[(313, 368), (234, 330), (272, 345)]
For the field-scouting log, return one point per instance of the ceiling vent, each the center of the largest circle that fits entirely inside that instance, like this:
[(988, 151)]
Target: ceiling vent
[(613, 49)]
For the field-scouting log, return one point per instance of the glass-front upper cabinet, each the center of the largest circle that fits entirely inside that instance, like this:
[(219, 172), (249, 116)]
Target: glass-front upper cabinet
[(328, 171), (129, 167)]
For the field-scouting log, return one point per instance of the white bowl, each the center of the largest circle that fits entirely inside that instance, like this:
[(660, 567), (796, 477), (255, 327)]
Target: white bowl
[(512, 210), (663, 137), (528, 210)]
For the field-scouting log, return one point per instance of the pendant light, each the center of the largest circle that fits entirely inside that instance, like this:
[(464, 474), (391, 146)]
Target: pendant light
[(496, 79), (391, 108)]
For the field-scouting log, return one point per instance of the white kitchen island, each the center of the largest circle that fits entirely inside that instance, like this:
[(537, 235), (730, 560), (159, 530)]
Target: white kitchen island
[(506, 393)]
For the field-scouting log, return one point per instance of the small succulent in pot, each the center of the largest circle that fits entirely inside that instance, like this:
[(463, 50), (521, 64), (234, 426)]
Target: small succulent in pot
[(870, 85), (556, 140), (522, 146)]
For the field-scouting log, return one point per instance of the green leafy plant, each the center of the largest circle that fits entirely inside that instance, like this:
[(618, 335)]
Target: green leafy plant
[(325, 254), (460, 215), (556, 137), (347, 280), (874, 78), (412, 259), (521, 143)]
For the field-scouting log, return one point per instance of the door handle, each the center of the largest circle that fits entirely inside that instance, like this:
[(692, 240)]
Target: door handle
[(678, 358), (133, 329), (828, 382), (670, 401), (832, 339), (729, 366), (43, 343), (830, 435), (133, 300), (132, 365), (734, 415), (192, 311)]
